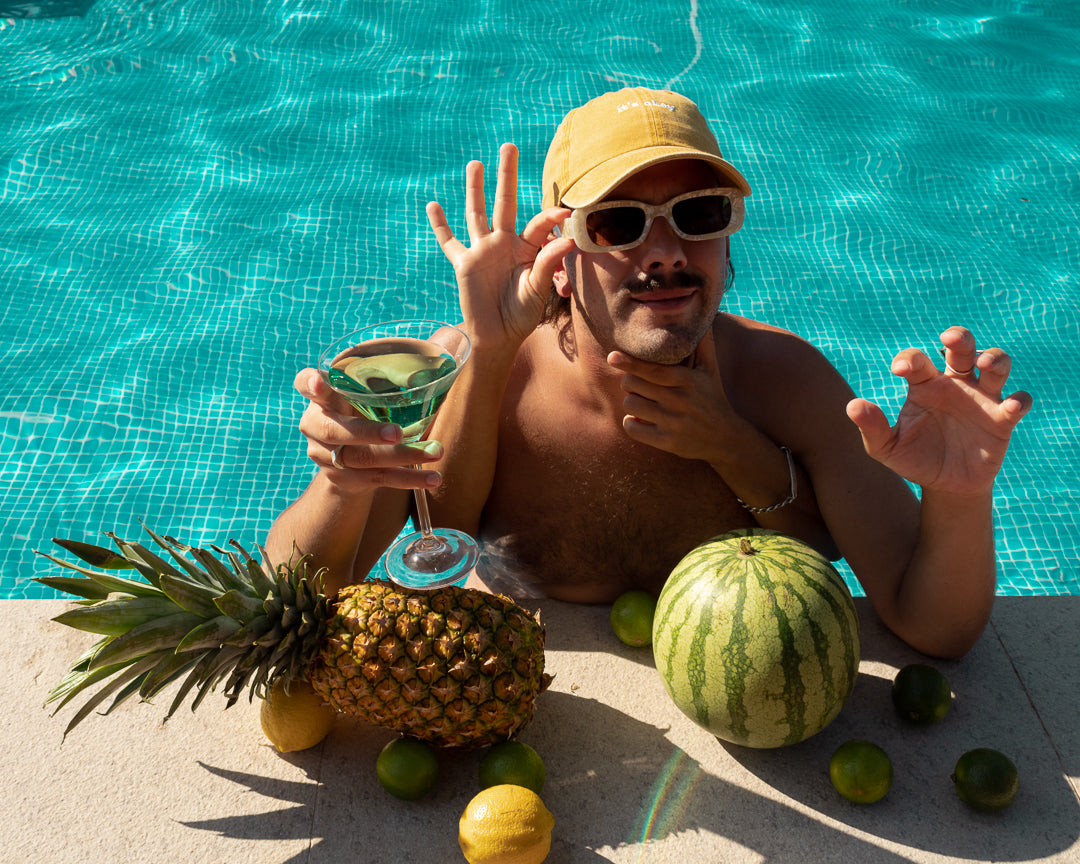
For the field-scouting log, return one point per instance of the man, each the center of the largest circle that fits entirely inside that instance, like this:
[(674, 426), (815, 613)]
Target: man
[(610, 418)]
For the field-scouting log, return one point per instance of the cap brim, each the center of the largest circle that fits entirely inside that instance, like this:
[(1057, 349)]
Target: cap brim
[(599, 182)]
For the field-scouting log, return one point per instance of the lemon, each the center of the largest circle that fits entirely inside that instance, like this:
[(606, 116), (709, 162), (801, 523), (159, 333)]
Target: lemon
[(986, 779), (632, 618), (512, 762), (861, 771), (297, 719), (407, 768), (506, 824), (921, 693)]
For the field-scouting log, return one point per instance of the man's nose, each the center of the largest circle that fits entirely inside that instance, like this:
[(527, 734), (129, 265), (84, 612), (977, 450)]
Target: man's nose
[(662, 248)]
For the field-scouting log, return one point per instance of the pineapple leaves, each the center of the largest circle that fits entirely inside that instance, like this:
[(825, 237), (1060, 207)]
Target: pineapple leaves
[(117, 614), (98, 556), (155, 635), (107, 581), (122, 679), (189, 595), (198, 619), (262, 583), (237, 605), (169, 668), (212, 634), (85, 588)]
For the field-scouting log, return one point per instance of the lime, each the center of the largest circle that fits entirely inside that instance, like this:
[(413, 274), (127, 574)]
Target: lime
[(986, 779), (505, 825), (632, 618), (512, 762), (921, 693), (294, 717), (407, 768), (861, 771)]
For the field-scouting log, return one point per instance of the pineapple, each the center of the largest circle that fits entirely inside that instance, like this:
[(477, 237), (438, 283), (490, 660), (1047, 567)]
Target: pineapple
[(454, 666)]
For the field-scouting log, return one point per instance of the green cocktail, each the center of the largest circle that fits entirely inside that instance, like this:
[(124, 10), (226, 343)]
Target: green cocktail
[(402, 381), (400, 372)]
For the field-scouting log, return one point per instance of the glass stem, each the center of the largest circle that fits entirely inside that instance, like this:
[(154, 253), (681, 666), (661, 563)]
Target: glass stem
[(423, 518)]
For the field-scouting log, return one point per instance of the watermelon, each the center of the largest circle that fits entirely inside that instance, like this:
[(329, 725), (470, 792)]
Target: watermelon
[(756, 638)]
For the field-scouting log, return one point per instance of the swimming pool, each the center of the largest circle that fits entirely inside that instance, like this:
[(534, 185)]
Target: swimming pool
[(196, 196)]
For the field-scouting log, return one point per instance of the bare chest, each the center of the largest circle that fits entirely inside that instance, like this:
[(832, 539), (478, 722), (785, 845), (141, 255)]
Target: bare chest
[(581, 512)]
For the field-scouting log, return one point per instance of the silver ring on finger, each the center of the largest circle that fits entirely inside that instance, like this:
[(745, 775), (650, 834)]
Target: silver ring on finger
[(335, 457), (978, 351)]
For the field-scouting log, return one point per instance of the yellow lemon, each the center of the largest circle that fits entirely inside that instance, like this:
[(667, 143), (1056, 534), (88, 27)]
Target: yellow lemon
[(297, 719), (506, 824)]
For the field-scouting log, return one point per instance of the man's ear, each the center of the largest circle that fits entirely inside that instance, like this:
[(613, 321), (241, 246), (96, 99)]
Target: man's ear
[(561, 280)]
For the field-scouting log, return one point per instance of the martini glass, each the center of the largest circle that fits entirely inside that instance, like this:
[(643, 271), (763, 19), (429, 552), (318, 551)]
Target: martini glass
[(400, 372)]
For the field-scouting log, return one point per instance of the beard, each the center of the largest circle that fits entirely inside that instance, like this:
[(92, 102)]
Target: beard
[(620, 322), (673, 343)]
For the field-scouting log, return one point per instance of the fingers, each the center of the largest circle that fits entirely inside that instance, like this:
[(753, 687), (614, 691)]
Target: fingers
[(960, 352), (395, 467), (992, 367), (913, 366), (872, 424), (539, 231), (1017, 405), (475, 206), (441, 228), (504, 212), (355, 450), (642, 370)]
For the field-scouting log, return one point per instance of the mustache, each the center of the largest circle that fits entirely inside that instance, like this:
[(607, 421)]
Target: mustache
[(663, 281)]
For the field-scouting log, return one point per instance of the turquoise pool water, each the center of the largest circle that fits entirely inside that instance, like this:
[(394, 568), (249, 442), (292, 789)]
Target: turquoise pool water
[(196, 196)]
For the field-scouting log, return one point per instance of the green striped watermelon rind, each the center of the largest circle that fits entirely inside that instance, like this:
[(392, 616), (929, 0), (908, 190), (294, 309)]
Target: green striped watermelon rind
[(744, 653)]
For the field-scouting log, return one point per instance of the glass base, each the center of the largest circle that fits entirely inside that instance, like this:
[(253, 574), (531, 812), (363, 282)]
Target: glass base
[(428, 563)]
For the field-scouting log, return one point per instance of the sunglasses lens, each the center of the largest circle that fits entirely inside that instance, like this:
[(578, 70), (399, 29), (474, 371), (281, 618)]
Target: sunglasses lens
[(616, 226), (705, 215)]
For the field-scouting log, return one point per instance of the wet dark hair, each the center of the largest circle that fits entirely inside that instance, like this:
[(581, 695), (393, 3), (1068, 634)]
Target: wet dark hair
[(557, 307)]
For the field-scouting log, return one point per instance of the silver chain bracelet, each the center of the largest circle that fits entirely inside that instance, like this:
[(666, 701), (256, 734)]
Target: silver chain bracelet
[(791, 496)]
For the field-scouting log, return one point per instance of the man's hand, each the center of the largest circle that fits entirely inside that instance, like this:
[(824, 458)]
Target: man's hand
[(680, 409), (954, 428), (504, 278), (369, 454)]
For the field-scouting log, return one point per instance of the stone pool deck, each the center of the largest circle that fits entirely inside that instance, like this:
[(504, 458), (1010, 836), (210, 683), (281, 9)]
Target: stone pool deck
[(629, 778)]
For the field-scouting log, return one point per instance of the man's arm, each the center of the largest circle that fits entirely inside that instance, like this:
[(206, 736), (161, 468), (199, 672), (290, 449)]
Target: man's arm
[(686, 410), (928, 567), (348, 515), (503, 282)]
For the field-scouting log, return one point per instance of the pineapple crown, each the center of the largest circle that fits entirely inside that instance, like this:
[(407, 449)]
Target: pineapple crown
[(243, 622)]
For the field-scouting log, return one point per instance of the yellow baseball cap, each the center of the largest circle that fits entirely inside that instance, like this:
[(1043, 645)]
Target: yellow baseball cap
[(598, 145)]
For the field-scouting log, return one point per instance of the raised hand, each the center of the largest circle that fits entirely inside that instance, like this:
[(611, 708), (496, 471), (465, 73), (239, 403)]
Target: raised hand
[(953, 430), (504, 278), (356, 453), (679, 409)]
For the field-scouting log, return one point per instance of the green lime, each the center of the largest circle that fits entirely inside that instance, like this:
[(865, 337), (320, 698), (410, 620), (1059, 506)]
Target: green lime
[(514, 763), (407, 768), (632, 618), (986, 779), (921, 694), (861, 771)]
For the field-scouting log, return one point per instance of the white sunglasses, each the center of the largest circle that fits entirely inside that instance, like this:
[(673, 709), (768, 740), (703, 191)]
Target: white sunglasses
[(611, 226)]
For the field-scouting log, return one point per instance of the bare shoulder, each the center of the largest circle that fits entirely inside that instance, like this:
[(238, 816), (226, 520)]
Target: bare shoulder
[(763, 359)]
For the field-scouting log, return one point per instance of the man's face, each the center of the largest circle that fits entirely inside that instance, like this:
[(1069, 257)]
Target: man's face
[(657, 300)]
